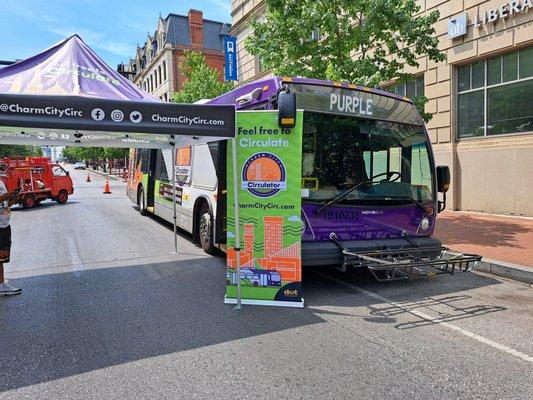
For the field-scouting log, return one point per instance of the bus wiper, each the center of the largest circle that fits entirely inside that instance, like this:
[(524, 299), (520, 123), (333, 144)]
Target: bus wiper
[(339, 197)]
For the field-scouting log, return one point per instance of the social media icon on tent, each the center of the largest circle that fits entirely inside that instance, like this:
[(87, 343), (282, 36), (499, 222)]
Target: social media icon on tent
[(117, 115), (136, 117), (98, 114)]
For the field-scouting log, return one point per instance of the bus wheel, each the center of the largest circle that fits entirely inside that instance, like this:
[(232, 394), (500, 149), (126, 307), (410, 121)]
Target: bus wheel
[(205, 230), (141, 202), (62, 197), (29, 201)]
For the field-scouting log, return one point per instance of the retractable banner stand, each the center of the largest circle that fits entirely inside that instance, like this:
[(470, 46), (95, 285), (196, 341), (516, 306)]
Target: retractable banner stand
[(269, 183)]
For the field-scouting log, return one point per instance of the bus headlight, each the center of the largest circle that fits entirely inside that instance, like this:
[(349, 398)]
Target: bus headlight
[(425, 223), (304, 225)]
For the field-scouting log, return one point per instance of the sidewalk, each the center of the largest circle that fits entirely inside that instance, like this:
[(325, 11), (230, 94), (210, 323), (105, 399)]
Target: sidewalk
[(505, 242), (117, 177)]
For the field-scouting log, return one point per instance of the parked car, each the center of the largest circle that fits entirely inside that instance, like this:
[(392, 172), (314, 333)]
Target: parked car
[(79, 165)]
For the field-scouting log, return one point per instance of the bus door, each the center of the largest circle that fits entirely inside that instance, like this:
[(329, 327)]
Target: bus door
[(150, 190), (219, 153)]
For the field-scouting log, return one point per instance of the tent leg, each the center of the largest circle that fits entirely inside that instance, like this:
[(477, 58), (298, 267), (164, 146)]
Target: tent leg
[(174, 216), (238, 306)]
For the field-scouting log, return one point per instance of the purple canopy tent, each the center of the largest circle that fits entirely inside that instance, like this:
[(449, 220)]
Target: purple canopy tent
[(69, 68), (68, 96)]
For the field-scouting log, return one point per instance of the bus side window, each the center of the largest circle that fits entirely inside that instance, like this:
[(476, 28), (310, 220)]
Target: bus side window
[(143, 159), (203, 170), (161, 168)]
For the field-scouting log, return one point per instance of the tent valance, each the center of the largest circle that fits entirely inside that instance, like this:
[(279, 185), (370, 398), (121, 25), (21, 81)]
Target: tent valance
[(70, 120)]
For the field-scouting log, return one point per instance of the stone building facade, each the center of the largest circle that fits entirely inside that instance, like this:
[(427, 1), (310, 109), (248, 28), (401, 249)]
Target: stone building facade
[(481, 97), (155, 67)]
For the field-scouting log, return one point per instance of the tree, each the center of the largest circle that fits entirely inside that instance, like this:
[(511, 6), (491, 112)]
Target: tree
[(201, 80), (116, 153), (19, 151), (366, 42)]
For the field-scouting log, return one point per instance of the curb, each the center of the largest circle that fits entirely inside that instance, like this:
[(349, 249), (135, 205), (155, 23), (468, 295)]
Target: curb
[(504, 269), (106, 175)]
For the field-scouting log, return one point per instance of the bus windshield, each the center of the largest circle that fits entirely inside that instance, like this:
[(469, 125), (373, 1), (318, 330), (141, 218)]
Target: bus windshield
[(382, 161)]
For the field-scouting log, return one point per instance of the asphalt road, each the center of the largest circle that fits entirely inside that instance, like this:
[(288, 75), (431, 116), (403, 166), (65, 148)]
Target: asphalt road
[(108, 311)]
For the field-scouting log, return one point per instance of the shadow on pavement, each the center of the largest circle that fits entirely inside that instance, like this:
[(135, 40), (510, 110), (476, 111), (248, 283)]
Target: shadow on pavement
[(45, 204), (71, 323), (442, 293)]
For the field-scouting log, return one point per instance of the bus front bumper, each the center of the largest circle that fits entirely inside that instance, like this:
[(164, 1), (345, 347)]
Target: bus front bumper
[(389, 259), (328, 253)]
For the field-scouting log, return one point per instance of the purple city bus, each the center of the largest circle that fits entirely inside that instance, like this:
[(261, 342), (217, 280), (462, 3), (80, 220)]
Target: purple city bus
[(370, 188), (369, 181)]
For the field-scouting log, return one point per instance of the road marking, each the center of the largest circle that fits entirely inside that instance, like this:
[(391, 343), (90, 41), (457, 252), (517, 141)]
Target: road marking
[(439, 321)]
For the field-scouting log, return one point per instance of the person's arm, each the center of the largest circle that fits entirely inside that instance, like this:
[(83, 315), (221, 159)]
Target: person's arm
[(11, 198)]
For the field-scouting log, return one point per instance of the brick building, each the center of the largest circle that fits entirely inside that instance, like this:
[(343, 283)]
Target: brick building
[(481, 97), (155, 67)]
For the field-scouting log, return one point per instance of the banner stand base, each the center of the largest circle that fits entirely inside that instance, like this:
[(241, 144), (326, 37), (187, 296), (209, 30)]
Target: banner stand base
[(273, 303)]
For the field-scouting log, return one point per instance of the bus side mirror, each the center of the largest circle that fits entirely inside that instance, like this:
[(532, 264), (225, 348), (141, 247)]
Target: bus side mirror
[(286, 109), (443, 184), (443, 178)]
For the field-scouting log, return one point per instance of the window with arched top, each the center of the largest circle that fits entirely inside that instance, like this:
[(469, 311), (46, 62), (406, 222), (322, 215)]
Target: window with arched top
[(164, 71)]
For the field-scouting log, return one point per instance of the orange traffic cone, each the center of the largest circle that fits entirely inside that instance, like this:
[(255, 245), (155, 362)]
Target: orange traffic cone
[(88, 178), (107, 189)]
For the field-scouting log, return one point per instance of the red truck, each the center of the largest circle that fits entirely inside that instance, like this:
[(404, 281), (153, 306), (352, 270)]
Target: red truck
[(37, 178)]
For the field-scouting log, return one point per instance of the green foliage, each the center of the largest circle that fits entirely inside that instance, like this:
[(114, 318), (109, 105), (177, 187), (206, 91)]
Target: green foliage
[(366, 42), (19, 151), (93, 153), (201, 80), (116, 153)]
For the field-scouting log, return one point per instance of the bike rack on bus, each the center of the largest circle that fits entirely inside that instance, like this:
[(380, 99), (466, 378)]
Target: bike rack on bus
[(408, 263)]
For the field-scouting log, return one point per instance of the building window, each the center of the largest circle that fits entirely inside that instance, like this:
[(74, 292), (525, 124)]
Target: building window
[(411, 89), (159, 75), (495, 96), (164, 71)]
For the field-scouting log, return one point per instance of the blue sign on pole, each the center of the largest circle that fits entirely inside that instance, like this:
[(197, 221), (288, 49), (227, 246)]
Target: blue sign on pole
[(230, 55)]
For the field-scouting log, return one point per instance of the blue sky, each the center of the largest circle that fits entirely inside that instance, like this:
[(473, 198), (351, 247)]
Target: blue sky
[(113, 28)]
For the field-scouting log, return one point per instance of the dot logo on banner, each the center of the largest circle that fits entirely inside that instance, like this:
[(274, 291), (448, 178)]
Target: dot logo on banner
[(117, 115), (98, 114), (136, 117)]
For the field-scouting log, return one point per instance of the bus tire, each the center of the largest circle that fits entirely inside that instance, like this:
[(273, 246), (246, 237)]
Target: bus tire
[(141, 201), (28, 201), (62, 197), (205, 230)]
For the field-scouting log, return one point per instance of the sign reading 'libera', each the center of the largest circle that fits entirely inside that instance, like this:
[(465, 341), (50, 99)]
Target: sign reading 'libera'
[(505, 10)]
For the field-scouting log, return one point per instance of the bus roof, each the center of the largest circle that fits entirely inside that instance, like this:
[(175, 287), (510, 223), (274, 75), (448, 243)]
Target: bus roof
[(403, 109), (270, 86)]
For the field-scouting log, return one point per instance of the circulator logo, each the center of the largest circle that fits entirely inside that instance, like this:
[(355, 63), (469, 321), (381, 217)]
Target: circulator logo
[(263, 175)]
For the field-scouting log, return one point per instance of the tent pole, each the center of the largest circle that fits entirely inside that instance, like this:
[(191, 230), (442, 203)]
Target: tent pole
[(237, 221), (174, 216)]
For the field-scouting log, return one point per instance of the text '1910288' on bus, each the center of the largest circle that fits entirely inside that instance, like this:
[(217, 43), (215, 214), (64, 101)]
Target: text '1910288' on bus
[(369, 186)]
